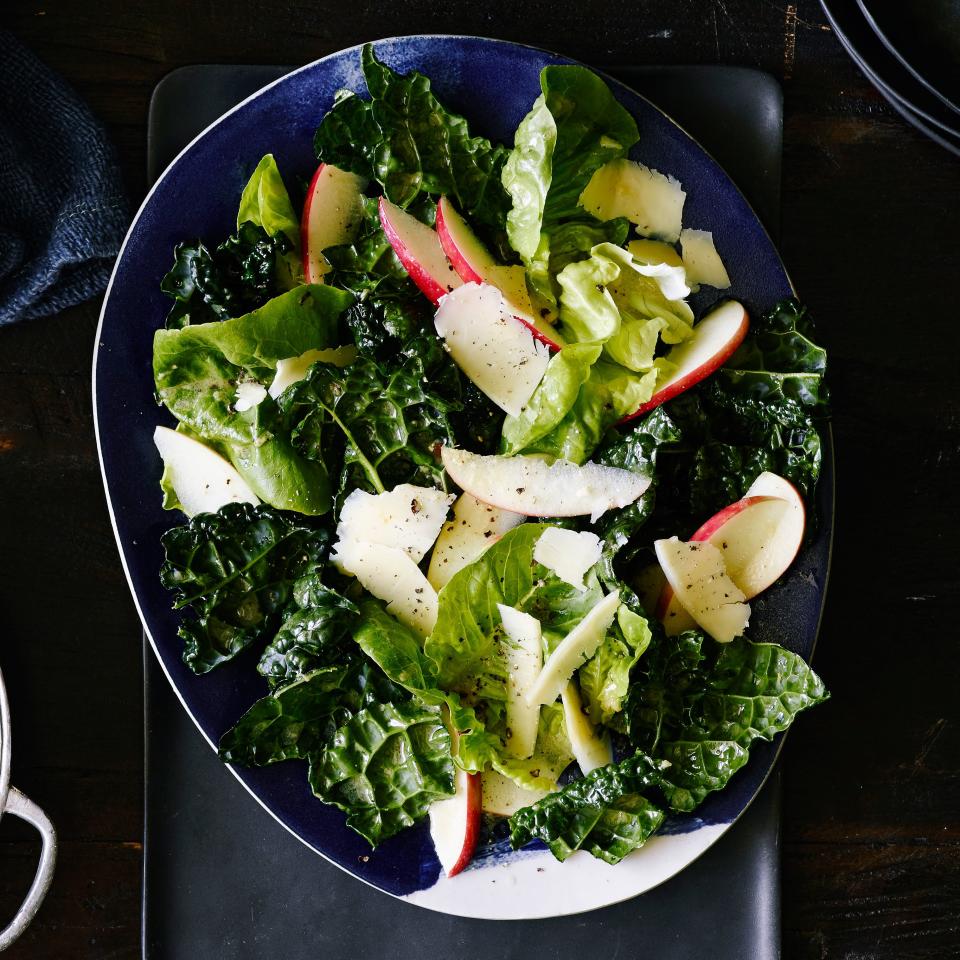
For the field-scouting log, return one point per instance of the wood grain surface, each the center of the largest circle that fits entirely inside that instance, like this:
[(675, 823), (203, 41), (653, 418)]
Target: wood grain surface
[(871, 834)]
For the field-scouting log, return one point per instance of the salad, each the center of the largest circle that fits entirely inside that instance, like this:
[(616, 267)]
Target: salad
[(473, 487)]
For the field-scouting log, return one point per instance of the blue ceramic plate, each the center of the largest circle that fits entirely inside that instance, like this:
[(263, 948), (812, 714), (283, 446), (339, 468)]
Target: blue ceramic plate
[(493, 84)]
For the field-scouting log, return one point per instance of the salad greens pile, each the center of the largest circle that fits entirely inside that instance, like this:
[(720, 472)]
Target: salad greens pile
[(383, 715)]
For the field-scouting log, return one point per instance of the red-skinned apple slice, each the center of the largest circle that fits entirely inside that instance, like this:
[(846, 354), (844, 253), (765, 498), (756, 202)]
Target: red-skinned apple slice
[(535, 488), (715, 340), (331, 214), (455, 822), (417, 246), (759, 537), (474, 264)]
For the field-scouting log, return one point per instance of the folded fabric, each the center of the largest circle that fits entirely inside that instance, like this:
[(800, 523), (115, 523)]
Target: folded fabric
[(62, 209)]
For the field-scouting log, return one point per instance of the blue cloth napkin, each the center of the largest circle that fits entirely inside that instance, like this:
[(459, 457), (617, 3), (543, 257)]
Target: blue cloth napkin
[(63, 214)]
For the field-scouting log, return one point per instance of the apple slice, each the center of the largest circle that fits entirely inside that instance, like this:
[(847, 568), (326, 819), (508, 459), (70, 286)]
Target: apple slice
[(698, 576), (407, 517), (759, 535), (499, 355), (568, 553), (576, 648), (475, 527), (417, 246), (589, 749), (202, 480), (455, 822), (715, 340), (474, 264), (504, 797), (332, 213), (524, 655), (390, 575), (535, 488)]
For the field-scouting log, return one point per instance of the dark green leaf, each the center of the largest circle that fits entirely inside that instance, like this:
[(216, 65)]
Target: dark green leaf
[(234, 571), (404, 139), (603, 813), (292, 723), (384, 768), (313, 636)]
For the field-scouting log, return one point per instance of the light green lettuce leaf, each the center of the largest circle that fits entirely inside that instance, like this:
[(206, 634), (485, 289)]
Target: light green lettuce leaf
[(556, 393), (266, 203)]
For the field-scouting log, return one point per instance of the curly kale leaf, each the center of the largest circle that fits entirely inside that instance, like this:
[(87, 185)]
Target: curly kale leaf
[(700, 705), (604, 813), (234, 571), (405, 140), (384, 768), (239, 275)]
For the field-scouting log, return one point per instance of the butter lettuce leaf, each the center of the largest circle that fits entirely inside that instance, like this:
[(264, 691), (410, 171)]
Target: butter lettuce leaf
[(266, 204), (385, 767), (197, 370)]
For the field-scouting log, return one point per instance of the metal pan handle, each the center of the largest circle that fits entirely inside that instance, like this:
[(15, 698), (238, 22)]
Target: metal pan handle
[(25, 809)]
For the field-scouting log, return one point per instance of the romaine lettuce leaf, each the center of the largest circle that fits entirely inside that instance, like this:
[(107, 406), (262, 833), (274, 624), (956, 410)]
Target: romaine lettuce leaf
[(235, 571), (604, 813), (556, 393), (404, 139), (266, 204), (384, 768)]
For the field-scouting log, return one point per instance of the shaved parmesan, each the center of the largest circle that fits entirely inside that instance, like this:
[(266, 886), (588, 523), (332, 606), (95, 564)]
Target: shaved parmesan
[(292, 369), (568, 553), (702, 262), (647, 198), (249, 394), (407, 517), (524, 657), (654, 251), (590, 750), (390, 575)]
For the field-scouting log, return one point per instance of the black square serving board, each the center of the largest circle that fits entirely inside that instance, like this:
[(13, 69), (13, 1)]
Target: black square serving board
[(223, 879)]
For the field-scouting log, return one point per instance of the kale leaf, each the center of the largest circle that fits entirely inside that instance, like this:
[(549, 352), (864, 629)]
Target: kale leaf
[(384, 768), (405, 140), (239, 275), (700, 705), (235, 570), (604, 813)]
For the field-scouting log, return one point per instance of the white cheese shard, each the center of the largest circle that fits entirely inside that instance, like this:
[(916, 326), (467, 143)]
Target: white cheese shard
[(701, 260), (568, 553), (576, 648), (590, 749), (292, 369), (390, 575), (250, 393), (646, 197), (524, 656)]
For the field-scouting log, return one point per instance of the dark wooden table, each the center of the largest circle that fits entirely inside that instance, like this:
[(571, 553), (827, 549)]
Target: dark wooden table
[(871, 843)]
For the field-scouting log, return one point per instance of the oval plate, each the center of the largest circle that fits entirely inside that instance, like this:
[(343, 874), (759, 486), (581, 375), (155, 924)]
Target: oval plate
[(493, 84)]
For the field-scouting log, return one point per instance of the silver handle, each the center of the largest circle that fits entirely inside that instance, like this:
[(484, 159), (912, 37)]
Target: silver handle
[(25, 809)]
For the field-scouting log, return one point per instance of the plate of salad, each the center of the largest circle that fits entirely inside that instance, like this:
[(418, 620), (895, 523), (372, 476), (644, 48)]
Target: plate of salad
[(467, 450)]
